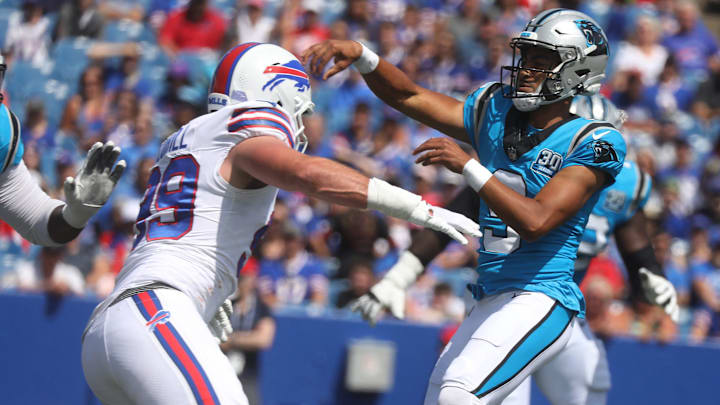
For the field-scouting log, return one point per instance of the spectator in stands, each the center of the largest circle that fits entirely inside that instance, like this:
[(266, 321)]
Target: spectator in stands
[(79, 18), (705, 276), (360, 233), (86, 112), (671, 94), (296, 278), (449, 75), (302, 27), (389, 47), (361, 278), (359, 19), (443, 307), (642, 53), (194, 27), (129, 77), (28, 35), (35, 130), (47, 274), (693, 46), (253, 331), (132, 10), (120, 125), (250, 24)]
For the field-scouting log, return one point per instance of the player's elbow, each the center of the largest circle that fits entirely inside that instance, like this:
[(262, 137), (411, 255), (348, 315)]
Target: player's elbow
[(533, 229)]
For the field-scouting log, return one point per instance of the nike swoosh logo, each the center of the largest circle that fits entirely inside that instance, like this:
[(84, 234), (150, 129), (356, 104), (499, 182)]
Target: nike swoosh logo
[(600, 135)]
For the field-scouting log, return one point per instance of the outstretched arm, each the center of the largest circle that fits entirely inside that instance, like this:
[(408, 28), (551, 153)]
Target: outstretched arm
[(49, 222), (645, 274), (270, 161), (392, 86)]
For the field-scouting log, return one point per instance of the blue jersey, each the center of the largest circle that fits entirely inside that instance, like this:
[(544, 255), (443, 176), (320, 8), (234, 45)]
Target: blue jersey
[(616, 205), (11, 146), (525, 159)]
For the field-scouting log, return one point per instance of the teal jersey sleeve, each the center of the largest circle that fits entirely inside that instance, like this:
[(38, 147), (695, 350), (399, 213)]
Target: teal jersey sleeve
[(473, 109), (11, 146), (603, 148)]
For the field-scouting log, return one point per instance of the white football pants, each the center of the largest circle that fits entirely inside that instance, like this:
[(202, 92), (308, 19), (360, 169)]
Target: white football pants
[(154, 348), (503, 340), (578, 375)]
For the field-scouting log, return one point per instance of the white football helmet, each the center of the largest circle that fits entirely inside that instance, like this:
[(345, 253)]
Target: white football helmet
[(263, 72), (583, 50)]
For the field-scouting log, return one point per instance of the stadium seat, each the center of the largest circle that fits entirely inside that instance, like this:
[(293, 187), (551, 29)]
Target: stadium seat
[(70, 56), (4, 19)]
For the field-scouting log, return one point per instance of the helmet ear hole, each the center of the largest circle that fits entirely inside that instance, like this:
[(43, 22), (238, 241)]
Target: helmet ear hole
[(582, 72)]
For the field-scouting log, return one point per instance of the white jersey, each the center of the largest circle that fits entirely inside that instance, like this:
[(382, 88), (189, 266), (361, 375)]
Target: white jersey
[(194, 230)]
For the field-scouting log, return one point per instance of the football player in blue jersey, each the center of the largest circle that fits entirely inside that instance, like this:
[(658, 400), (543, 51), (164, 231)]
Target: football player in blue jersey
[(582, 363), (37, 217), (541, 172)]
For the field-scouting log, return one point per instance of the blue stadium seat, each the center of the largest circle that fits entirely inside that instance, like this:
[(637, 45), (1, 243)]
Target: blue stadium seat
[(123, 31), (24, 82), (457, 279), (4, 19), (14, 4), (55, 95), (334, 290), (70, 57)]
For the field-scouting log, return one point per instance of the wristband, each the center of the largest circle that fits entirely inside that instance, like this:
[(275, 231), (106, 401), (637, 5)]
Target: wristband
[(476, 174), (367, 62)]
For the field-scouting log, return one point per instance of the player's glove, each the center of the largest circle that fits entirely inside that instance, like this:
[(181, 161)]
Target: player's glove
[(220, 325), (91, 187), (400, 203), (659, 291), (389, 293)]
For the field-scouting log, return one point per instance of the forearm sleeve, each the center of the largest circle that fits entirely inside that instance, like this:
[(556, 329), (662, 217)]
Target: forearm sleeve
[(25, 206), (635, 260)]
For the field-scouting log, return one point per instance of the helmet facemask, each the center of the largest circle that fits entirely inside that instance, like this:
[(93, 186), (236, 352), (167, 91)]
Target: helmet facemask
[(302, 107), (549, 90)]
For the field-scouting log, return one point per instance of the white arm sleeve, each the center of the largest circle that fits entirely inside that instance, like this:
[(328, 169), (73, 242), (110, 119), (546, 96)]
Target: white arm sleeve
[(25, 206)]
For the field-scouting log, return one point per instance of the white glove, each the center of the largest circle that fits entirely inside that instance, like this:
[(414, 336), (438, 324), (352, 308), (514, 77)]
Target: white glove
[(400, 203), (389, 293), (659, 291), (220, 325), (92, 185)]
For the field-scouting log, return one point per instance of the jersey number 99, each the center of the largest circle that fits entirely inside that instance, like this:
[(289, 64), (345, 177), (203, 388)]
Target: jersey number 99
[(166, 211)]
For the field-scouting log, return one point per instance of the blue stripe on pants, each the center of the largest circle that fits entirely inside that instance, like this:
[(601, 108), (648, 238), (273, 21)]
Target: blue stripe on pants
[(539, 338)]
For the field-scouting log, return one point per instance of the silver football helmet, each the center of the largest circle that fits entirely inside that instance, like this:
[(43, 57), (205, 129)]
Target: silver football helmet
[(582, 47), (597, 107)]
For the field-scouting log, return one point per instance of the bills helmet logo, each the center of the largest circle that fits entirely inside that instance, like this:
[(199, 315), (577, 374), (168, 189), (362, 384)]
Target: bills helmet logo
[(159, 318), (292, 70)]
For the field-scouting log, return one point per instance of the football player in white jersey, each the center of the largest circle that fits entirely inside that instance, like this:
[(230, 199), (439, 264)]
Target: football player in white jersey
[(32, 213), (209, 199)]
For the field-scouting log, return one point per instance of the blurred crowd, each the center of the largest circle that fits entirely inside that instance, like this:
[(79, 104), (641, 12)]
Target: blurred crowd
[(134, 71)]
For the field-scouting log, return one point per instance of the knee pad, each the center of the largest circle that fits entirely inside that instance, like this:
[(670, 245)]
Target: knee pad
[(456, 396)]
